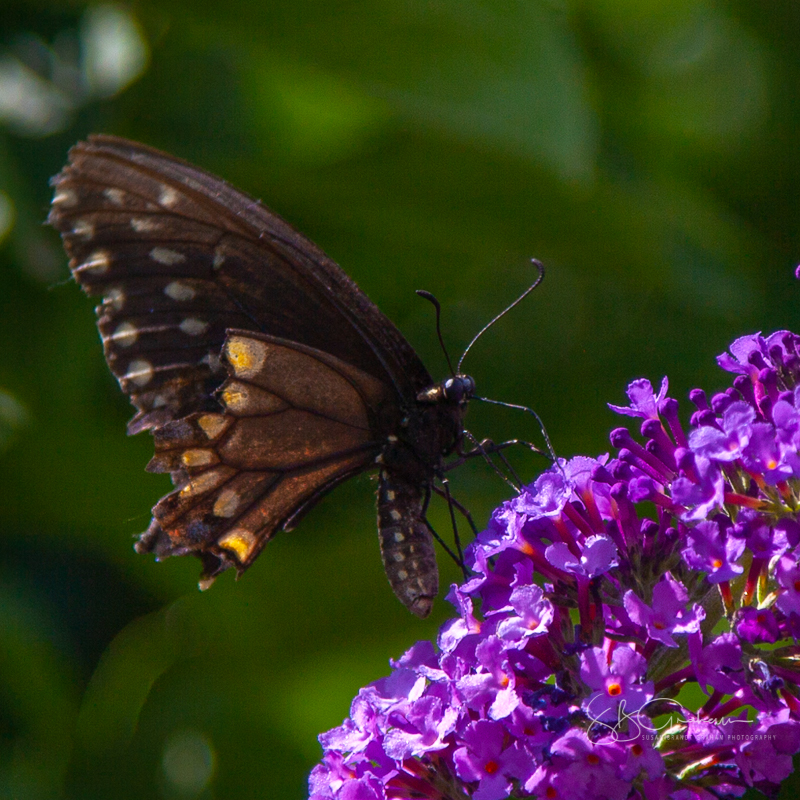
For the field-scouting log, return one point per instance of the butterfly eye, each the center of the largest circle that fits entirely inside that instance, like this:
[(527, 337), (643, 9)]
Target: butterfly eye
[(458, 389)]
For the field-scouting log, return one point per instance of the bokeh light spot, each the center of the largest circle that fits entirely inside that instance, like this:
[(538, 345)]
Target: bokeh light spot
[(188, 761)]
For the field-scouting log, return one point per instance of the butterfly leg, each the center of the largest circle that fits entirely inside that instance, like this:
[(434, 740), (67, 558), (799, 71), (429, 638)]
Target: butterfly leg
[(456, 558), (443, 544), (463, 510), (456, 538), (486, 448), (497, 449), (550, 449)]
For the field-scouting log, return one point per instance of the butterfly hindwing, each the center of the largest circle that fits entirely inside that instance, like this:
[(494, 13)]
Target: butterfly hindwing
[(295, 422)]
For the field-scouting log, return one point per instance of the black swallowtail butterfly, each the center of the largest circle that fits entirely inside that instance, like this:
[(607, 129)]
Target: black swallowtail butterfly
[(266, 376)]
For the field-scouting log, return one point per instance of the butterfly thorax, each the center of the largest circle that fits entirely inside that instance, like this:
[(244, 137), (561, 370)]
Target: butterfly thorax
[(431, 429), (440, 413)]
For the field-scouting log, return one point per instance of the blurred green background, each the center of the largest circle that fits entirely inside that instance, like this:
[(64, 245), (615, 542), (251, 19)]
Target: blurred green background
[(646, 151)]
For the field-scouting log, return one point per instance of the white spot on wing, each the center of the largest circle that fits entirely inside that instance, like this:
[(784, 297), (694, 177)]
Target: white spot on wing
[(143, 224), (193, 184), (395, 515), (213, 361), (114, 196), (180, 291), (166, 256), (168, 196), (97, 263), (227, 503), (83, 228), (139, 372), (125, 334), (219, 259), (65, 197), (192, 326), (115, 298)]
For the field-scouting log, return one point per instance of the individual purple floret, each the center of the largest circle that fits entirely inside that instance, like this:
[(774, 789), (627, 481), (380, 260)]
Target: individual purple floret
[(603, 601), (616, 677), (667, 614)]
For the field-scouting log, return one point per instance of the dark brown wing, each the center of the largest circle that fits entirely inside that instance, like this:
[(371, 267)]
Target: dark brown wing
[(180, 256), (295, 422)]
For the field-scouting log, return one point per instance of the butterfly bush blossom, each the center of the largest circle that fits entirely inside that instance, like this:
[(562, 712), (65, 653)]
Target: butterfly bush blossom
[(630, 627)]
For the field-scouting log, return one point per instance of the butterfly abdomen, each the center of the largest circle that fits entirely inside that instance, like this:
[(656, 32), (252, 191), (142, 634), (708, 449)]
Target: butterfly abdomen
[(430, 429), (406, 543)]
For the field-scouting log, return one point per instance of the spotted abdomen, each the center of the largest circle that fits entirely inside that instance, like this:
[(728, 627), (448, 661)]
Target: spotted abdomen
[(406, 544)]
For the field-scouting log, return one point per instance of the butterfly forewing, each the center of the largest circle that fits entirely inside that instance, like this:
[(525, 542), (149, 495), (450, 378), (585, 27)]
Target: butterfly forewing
[(265, 374), (280, 281)]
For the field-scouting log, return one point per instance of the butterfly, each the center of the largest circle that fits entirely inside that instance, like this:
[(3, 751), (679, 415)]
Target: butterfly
[(265, 375)]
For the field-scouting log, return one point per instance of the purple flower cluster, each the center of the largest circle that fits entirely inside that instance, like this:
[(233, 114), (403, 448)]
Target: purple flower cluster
[(637, 627)]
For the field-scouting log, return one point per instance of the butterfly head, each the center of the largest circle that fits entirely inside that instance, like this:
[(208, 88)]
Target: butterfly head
[(455, 391), (459, 389)]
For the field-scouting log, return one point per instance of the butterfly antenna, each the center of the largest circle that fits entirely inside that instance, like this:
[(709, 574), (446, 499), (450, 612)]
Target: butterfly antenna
[(539, 266), (432, 299)]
